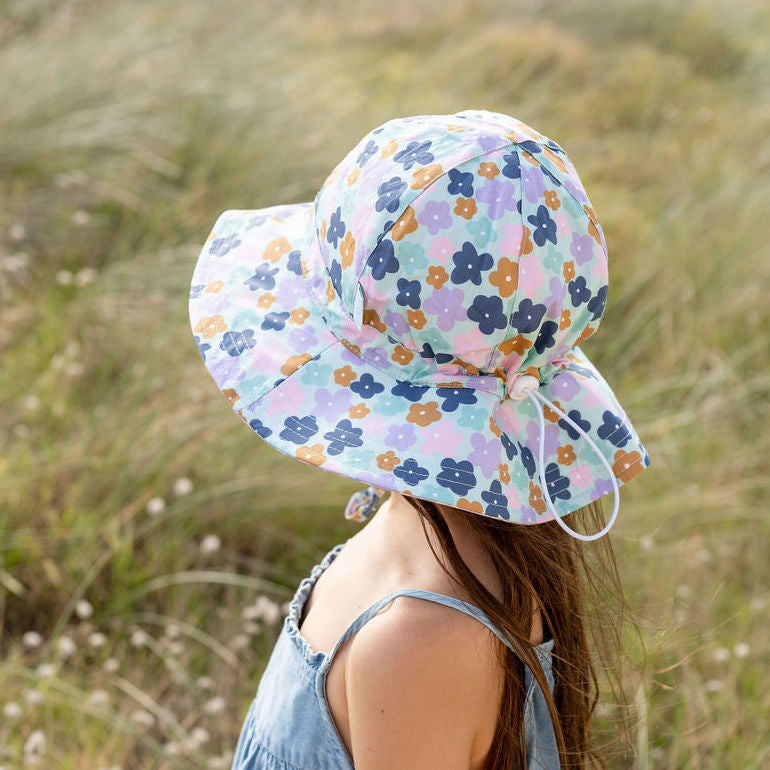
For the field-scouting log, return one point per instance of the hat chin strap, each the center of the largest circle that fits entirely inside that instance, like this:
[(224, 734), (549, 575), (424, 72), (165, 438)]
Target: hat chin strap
[(527, 386)]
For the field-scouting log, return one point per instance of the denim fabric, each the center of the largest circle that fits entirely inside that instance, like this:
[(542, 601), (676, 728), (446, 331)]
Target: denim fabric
[(289, 725)]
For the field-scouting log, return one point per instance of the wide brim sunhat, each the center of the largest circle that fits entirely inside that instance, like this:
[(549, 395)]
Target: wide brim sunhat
[(397, 329)]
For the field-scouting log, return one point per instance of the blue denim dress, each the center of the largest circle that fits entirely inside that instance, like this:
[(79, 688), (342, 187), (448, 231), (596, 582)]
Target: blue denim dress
[(289, 725)]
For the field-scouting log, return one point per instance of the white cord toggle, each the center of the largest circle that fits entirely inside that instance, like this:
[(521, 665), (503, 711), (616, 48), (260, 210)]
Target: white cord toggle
[(527, 385)]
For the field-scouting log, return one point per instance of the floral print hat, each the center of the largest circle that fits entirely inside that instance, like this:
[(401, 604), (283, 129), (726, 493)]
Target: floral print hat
[(417, 326)]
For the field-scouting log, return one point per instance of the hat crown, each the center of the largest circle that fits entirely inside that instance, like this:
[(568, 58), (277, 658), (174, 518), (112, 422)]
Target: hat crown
[(464, 243)]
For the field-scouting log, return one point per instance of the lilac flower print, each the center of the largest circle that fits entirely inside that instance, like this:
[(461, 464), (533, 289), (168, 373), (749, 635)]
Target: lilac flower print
[(376, 357), (532, 182), (303, 338), (558, 292), (396, 323), (582, 247), (400, 437), (436, 216), (528, 516), (447, 305), (331, 405), (485, 454), (552, 437), (564, 387), (499, 196), (603, 486)]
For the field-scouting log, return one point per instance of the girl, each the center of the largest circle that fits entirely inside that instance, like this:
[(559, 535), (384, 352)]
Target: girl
[(417, 327)]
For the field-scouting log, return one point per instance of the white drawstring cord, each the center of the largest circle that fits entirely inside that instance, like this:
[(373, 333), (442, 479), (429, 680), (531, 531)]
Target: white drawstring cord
[(527, 385)]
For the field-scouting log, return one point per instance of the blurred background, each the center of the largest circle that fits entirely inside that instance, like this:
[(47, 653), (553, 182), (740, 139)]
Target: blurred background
[(149, 542)]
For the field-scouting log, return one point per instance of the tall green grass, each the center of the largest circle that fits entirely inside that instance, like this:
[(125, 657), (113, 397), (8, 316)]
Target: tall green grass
[(128, 126)]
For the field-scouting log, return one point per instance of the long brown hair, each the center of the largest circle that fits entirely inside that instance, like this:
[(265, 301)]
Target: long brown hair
[(546, 564)]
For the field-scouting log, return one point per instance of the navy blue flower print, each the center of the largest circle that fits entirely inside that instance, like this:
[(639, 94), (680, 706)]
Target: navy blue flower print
[(509, 446), (294, 262), (336, 227), (202, 346), (453, 397), (613, 429), (533, 148), (469, 264), (527, 460), (574, 415), (441, 358), (578, 290), (275, 321), (366, 386), (550, 176), (196, 290), (545, 337), (235, 342), (558, 485), (457, 476), (262, 278), (528, 316), (366, 153), (389, 194), (261, 430), (382, 260), (487, 312), (409, 293), (543, 227), (299, 429), (460, 183), (410, 472), (596, 305), (497, 502), (408, 391), (344, 435), (221, 246), (512, 169), (335, 273), (415, 152)]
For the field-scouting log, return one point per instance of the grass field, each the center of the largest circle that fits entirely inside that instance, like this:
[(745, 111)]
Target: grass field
[(148, 540)]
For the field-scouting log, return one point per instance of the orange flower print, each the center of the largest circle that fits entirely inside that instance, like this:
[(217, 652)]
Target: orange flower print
[(389, 149), (293, 363), (353, 176), (467, 505), (627, 464), (526, 241), (311, 454), (388, 460), (266, 300), (550, 414), (489, 170), (530, 157), (465, 208), (592, 230), (424, 414), (494, 427), (347, 249), (585, 334), (345, 375), (401, 355), (299, 315), (536, 498), (372, 318), (323, 229), (425, 175), (406, 223), (565, 321), (437, 276), (565, 455), (357, 411), (568, 268), (211, 326), (552, 200), (555, 159), (416, 318), (451, 127), (330, 292), (518, 344), (505, 277), (276, 249), (214, 287), (231, 395), (354, 349), (503, 473)]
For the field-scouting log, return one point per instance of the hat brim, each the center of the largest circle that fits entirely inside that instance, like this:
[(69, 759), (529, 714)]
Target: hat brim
[(305, 393)]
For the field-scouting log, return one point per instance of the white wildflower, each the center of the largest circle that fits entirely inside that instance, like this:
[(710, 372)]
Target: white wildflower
[(646, 543), (199, 736), (99, 697), (204, 682), (81, 217), (741, 650), (84, 276), (142, 717), (156, 505), (721, 654), (240, 641), (66, 646), (269, 610), (172, 631), (83, 609), (31, 639), (215, 706), (35, 697), (251, 628), (172, 748), (97, 639), (46, 670), (714, 685), (64, 277), (35, 743), (12, 710), (74, 369), (210, 544), (683, 591), (175, 647), (17, 231), (182, 487), (31, 402), (111, 665), (139, 638)]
